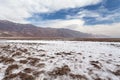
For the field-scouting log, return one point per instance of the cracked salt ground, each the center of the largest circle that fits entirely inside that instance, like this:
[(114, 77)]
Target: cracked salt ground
[(59, 60)]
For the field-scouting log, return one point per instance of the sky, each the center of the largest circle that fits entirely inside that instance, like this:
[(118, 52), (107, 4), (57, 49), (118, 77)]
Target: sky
[(88, 16)]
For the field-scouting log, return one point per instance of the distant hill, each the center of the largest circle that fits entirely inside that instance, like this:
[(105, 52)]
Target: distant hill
[(10, 29)]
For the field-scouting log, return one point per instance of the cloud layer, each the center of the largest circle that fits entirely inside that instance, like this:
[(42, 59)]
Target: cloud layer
[(111, 30), (19, 10)]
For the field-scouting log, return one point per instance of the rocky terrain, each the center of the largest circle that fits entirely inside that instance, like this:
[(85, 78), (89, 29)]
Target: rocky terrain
[(59, 60)]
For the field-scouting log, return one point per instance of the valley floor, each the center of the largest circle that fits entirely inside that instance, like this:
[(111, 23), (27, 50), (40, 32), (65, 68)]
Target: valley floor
[(59, 60)]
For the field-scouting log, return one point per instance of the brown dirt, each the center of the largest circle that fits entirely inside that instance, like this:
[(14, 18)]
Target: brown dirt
[(23, 61), (10, 68), (16, 54), (6, 60), (27, 70), (24, 76), (33, 61), (78, 77), (96, 64), (60, 71)]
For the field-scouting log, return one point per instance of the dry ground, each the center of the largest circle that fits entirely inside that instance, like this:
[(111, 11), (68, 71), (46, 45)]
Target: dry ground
[(59, 60)]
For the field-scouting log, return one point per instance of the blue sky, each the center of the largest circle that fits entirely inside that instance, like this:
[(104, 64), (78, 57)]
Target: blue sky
[(105, 9), (89, 16)]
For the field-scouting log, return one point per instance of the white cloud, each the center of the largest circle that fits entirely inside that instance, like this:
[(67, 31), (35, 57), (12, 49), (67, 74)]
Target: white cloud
[(85, 13), (109, 29), (18, 10), (77, 24), (97, 14)]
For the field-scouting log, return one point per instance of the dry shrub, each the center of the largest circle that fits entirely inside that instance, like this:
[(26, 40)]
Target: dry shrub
[(78, 77), (58, 53), (33, 61), (6, 60), (42, 55), (115, 45), (79, 53), (60, 71), (83, 57), (31, 58), (52, 57), (41, 50), (41, 65), (64, 53), (28, 70), (9, 77), (24, 76), (98, 79), (23, 61), (22, 50), (110, 54), (117, 72), (16, 54), (12, 51), (6, 47), (10, 68), (96, 64), (90, 56), (37, 73), (90, 71)]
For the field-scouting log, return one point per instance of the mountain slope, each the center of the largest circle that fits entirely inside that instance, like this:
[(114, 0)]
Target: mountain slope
[(10, 29)]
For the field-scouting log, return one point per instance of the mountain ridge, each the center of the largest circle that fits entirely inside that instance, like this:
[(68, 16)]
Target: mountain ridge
[(11, 29)]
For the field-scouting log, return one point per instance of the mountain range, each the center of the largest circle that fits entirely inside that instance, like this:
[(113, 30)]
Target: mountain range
[(11, 29)]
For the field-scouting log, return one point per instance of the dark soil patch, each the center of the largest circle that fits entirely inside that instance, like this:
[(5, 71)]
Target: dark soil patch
[(60, 71), (10, 68), (6, 60), (78, 77), (96, 64)]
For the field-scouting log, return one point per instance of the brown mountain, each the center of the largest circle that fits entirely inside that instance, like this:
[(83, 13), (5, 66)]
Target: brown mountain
[(10, 29)]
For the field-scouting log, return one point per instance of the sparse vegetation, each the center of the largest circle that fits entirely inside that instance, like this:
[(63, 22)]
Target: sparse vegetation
[(78, 77), (33, 61), (60, 71), (11, 68), (6, 60), (22, 61), (16, 54), (96, 64), (25, 76)]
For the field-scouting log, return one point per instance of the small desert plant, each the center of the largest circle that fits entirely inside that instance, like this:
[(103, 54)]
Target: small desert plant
[(28, 70), (41, 65), (33, 61), (25, 76), (6, 60), (10, 76), (60, 71), (78, 77), (41, 50), (37, 73), (23, 61), (117, 72), (6, 47), (10, 68), (23, 50), (96, 64), (16, 54)]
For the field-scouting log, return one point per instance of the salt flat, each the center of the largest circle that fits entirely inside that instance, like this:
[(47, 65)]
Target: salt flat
[(59, 60)]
